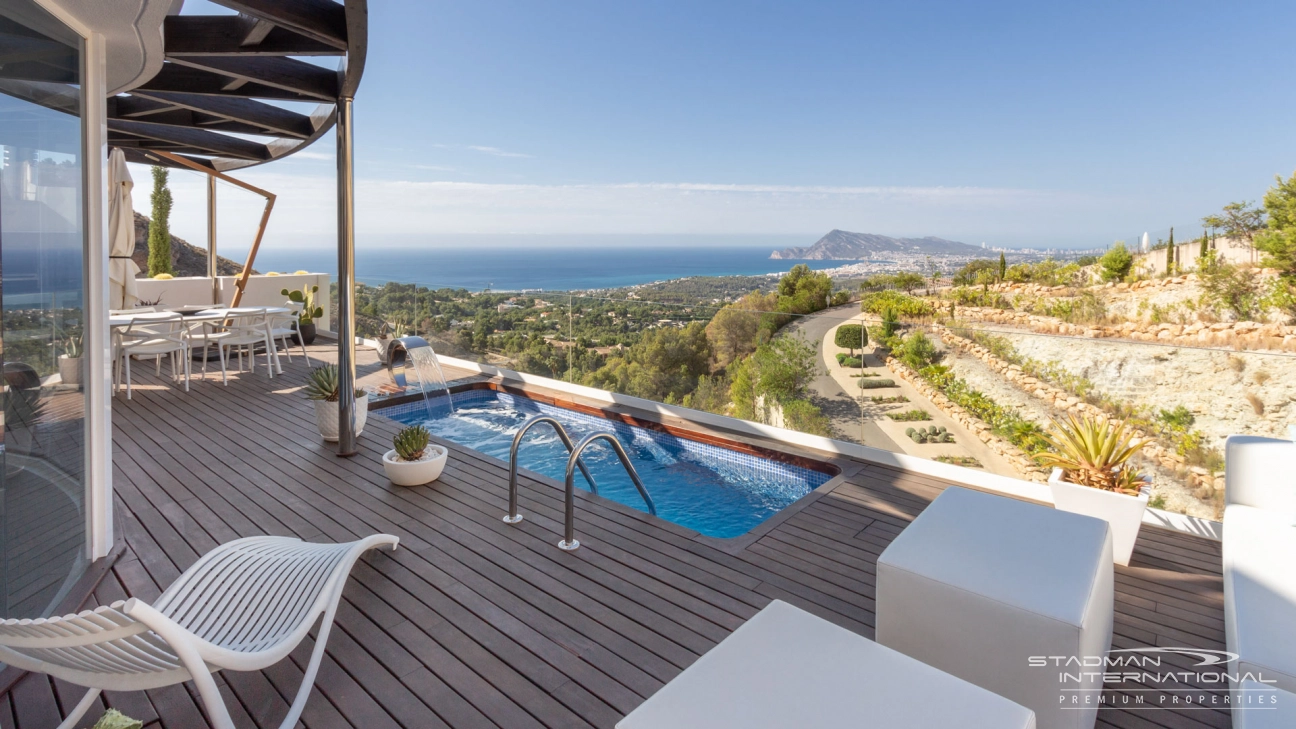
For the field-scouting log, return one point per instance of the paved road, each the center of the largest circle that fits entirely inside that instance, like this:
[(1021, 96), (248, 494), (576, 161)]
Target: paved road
[(827, 394)]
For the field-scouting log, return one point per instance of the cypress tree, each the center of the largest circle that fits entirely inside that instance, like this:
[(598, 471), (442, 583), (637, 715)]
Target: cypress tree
[(1170, 255), (159, 234), (1003, 266), (1205, 246)]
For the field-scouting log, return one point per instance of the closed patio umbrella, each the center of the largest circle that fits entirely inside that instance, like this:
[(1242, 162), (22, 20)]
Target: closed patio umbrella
[(122, 290)]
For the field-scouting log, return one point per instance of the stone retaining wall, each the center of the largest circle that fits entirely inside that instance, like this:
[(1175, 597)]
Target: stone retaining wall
[(1241, 335), (1205, 485), (1025, 466)]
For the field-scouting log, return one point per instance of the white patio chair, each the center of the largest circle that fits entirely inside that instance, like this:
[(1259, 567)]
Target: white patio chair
[(283, 327), (246, 329), (155, 337), (243, 606)]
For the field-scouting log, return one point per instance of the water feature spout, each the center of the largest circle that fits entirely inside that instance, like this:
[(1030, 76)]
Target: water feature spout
[(416, 351)]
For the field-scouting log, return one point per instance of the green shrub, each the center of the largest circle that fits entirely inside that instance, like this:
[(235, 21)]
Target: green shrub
[(903, 305), (910, 415), (965, 461), (1116, 262), (847, 361), (851, 336), (883, 400), (917, 351), (866, 384), (806, 417)]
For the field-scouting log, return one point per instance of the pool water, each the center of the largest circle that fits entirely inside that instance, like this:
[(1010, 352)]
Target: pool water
[(713, 490)]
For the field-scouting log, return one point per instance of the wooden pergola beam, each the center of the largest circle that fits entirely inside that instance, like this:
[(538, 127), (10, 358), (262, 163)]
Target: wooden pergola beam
[(179, 78), (321, 20), (225, 35), (190, 137), (287, 74), (282, 122)]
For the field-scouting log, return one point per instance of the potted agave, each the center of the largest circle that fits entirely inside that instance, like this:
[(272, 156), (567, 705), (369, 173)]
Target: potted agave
[(309, 311), (69, 363), (322, 387), (414, 461), (1092, 476)]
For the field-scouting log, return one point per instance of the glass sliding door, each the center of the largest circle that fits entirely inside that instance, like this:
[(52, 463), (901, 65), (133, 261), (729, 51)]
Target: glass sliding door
[(42, 287)]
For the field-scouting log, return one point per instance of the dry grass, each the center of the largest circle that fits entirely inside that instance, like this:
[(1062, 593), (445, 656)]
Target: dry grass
[(1256, 403), (1261, 377), (1237, 363)]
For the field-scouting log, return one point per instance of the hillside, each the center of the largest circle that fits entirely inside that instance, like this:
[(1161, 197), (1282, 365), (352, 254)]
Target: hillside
[(186, 259), (847, 246)]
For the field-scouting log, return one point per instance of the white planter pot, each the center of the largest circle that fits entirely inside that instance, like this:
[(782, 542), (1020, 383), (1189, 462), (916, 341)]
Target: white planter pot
[(1123, 512), (415, 473), (326, 417), (69, 369)]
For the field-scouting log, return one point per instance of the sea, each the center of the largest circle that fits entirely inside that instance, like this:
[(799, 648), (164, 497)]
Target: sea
[(524, 268)]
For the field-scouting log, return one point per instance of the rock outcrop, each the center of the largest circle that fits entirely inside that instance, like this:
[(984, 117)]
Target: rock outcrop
[(186, 259)]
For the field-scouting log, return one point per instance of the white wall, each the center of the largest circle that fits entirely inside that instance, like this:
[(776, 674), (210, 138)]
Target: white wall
[(262, 290)]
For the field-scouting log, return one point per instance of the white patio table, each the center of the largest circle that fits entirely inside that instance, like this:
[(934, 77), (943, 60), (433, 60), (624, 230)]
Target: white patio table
[(206, 315)]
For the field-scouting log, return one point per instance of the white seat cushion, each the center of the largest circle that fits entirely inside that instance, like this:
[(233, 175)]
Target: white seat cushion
[(788, 669), (1260, 591), (978, 584)]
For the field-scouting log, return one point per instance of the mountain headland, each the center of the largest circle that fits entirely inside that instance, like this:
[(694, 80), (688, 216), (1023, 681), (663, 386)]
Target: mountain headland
[(847, 246)]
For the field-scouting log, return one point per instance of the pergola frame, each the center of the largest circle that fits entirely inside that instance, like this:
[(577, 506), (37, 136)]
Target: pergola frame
[(218, 75)]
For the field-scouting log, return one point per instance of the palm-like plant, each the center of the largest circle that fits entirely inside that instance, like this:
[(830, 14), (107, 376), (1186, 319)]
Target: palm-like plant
[(1093, 452)]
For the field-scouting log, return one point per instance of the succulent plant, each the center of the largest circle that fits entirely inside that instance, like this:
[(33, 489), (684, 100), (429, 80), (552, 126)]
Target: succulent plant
[(411, 442), (322, 384)]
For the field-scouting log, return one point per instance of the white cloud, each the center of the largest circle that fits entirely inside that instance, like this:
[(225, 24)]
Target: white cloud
[(304, 209), (496, 151)]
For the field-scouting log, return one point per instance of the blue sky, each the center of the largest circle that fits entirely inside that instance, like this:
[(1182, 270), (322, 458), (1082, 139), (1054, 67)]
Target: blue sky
[(1017, 123)]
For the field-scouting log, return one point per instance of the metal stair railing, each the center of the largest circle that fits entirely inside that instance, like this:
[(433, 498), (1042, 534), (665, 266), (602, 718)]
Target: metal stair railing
[(513, 517), (569, 542)]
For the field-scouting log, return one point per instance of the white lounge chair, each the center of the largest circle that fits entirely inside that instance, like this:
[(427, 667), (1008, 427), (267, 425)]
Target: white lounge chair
[(243, 606)]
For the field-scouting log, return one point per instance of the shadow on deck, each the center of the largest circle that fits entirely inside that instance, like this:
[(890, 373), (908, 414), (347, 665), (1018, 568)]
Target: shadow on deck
[(475, 623)]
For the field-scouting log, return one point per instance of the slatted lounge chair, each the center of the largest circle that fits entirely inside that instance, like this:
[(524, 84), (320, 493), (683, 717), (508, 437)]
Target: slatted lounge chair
[(243, 606)]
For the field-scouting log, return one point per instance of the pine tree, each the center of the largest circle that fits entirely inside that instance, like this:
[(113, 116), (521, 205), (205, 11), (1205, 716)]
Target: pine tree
[(1003, 266), (159, 234), (1170, 255)]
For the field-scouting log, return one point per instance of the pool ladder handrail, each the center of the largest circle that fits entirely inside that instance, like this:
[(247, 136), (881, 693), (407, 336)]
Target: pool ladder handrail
[(569, 542), (513, 516)]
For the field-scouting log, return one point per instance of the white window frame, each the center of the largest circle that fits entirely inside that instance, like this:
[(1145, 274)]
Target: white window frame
[(97, 343)]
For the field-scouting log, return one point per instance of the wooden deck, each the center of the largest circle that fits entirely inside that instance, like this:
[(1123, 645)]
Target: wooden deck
[(475, 623)]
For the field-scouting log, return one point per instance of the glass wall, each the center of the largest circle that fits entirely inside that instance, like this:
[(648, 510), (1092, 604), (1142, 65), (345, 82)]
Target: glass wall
[(42, 491)]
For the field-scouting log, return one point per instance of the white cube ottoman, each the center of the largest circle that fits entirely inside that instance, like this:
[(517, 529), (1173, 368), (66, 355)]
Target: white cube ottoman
[(979, 584), (1263, 706), (787, 669)]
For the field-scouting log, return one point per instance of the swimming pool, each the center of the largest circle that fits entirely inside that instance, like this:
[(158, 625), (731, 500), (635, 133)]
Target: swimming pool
[(713, 490)]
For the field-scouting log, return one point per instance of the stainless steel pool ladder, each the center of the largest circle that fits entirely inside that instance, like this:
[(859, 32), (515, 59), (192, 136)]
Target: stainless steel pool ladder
[(513, 516), (574, 461)]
